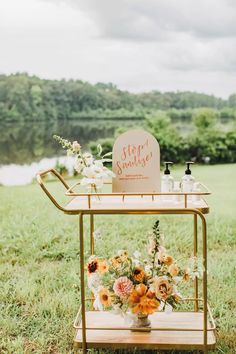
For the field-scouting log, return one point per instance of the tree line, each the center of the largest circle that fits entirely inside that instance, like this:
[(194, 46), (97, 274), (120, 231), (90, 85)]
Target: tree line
[(29, 98)]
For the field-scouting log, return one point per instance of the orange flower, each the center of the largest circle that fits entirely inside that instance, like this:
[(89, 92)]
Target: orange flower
[(103, 267), (143, 300), (163, 288), (173, 270), (168, 260), (105, 297), (186, 276), (139, 274)]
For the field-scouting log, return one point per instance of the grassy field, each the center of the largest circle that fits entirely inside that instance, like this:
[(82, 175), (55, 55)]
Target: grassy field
[(40, 261)]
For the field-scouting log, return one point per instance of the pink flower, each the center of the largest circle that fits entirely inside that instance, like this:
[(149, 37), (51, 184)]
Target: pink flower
[(123, 287)]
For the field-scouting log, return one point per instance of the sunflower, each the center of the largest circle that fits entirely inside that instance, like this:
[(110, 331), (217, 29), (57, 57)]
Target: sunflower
[(105, 297), (139, 274), (143, 300)]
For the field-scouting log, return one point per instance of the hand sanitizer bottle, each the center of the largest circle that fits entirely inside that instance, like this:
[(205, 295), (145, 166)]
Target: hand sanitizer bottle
[(167, 182), (187, 180)]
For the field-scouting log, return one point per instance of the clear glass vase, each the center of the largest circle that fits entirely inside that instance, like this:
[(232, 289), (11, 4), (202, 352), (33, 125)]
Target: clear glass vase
[(141, 323)]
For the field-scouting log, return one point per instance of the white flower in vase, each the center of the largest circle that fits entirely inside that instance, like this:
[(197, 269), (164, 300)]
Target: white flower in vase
[(104, 172), (79, 165), (91, 177), (76, 147), (88, 159)]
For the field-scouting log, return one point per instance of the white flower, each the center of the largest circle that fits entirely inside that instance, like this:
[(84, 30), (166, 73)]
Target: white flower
[(136, 262), (148, 269), (79, 165), (92, 177), (137, 254), (88, 158), (94, 282), (97, 304), (69, 152), (92, 171), (104, 172), (76, 146)]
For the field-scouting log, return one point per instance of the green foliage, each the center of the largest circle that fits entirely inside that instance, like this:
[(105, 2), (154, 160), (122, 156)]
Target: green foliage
[(206, 142), (24, 97), (106, 144), (61, 168), (171, 143), (204, 118)]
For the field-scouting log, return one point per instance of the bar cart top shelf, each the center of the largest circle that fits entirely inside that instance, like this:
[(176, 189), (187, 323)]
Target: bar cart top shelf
[(124, 202), (137, 201)]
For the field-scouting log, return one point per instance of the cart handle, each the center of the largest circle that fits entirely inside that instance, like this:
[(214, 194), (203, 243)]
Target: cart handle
[(44, 188)]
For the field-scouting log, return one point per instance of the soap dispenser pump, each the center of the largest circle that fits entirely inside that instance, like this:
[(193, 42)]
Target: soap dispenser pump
[(167, 181), (188, 180)]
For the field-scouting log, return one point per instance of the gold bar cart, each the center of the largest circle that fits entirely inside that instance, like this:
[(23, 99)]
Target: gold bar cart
[(193, 330)]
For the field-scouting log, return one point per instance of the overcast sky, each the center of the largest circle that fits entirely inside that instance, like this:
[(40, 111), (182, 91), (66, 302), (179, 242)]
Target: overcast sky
[(139, 45)]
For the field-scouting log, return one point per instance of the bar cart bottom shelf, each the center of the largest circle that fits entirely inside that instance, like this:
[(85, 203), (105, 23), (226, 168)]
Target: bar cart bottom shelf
[(176, 338)]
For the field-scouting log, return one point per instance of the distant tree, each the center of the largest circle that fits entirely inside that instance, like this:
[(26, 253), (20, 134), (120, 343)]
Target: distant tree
[(232, 100), (205, 118)]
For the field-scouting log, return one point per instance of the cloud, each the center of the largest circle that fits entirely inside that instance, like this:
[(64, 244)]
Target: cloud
[(161, 19), (137, 44)]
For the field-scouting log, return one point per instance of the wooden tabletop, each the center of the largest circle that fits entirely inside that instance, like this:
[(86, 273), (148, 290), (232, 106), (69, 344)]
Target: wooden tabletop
[(156, 339)]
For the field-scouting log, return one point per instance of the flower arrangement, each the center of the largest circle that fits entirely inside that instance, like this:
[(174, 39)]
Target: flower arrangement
[(135, 286), (91, 169)]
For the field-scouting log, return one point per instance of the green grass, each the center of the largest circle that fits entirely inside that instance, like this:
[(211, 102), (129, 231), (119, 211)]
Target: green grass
[(40, 261)]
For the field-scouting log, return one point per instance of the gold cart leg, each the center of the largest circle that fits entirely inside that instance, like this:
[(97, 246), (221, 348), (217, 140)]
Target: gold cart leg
[(195, 247), (204, 243), (91, 233), (81, 236)]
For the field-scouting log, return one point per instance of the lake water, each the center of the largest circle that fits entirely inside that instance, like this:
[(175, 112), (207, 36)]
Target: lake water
[(28, 148)]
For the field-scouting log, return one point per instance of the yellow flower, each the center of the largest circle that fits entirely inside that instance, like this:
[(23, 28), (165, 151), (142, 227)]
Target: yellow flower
[(105, 297), (168, 260), (123, 254), (139, 274), (116, 262), (173, 270)]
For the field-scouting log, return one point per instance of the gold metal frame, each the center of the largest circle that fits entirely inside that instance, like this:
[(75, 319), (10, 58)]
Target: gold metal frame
[(91, 210)]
